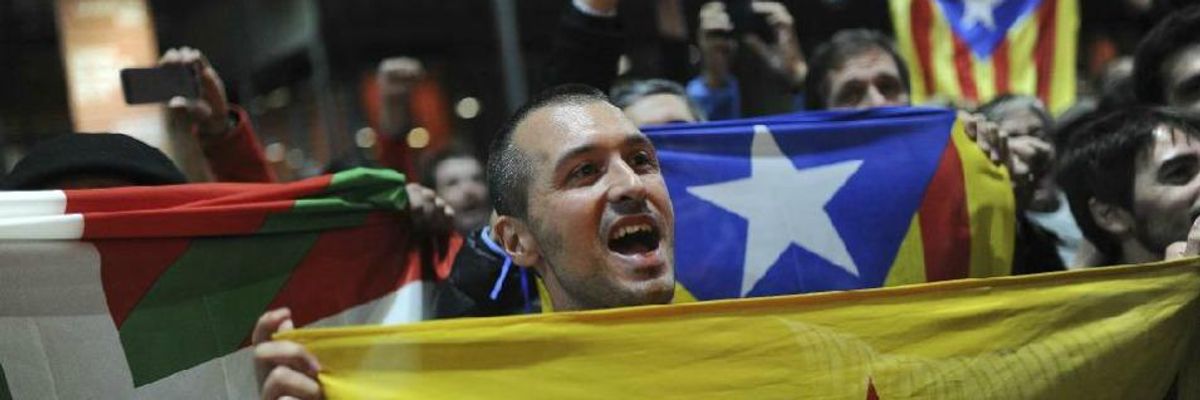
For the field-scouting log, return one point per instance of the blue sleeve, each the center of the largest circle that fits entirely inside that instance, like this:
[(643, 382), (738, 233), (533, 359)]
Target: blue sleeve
[(718, 103)]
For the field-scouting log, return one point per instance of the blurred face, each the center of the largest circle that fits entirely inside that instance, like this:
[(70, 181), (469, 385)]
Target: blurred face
[(658, 109), (1182, 71), (869, 79), (459, 181), (599, 214), (1022, 121), (1166, 189)]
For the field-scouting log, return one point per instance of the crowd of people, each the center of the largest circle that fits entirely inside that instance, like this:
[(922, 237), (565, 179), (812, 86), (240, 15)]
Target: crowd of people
[(571, 195)]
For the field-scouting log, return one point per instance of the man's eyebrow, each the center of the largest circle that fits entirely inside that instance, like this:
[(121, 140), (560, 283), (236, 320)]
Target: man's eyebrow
[(637, 139), (571, 154), (631, 140)]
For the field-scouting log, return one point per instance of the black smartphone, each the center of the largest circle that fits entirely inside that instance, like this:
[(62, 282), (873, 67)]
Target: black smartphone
[(746, 21), (156, 85)]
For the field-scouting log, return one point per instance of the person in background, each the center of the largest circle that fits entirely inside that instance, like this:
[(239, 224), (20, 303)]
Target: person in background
[(587, 45), (857, 68), (457, 177), (1131, 180), (1166, 65), (223, 129), (655, 101), (397, 77), (1046, 215), (92, 161), (716, 89)]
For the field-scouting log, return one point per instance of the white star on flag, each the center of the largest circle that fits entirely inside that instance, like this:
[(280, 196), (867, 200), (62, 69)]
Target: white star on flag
[(976, 12), (783, 205)]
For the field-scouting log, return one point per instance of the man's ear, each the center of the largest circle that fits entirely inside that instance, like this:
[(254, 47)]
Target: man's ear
[(516, 240), (1112, 219)]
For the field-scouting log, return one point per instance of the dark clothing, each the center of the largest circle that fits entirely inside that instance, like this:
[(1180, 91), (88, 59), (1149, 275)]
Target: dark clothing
[(586, 50), (467, 292), (1036, 249)]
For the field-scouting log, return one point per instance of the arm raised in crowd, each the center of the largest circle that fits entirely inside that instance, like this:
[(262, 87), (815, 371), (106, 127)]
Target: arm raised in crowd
[(223, 129), (716, 90), (587, 45)]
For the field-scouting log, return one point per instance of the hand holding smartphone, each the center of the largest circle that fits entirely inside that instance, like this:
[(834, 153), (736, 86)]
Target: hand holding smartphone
[(157, 85)]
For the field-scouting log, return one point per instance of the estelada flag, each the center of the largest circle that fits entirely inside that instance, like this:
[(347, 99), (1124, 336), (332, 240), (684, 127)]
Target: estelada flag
[(1104, 333), (975, 50), (152, 292), (832, 200)]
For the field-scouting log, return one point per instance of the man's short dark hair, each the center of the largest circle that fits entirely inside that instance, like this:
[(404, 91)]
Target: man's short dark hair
[(429, 168), (628, 92), (1175, 32), (844, 45), (1098, 160), (509, 169)]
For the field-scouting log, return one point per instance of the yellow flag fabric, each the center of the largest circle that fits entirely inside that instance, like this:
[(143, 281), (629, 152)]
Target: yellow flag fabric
[(1118, 332)]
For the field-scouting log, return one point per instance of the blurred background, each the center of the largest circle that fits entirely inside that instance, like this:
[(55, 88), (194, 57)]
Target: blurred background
[(305, 69)]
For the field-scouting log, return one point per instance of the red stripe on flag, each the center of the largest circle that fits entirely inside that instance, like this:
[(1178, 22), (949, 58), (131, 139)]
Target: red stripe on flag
[(189, 195), (186, 210), (182, 222), (1000, 65), (945, 224), (921, 15), (129, 267), (962, 64), (1043, 54), (342, 270)]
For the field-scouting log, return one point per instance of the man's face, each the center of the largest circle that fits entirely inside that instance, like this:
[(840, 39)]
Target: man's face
[(869, 79), (658, 109), (598, 208), (1166, 189), (1022, 121), (460, 182), (1182, 72)]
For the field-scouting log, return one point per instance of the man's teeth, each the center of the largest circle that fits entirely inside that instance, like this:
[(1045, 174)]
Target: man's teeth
[(629, 230)]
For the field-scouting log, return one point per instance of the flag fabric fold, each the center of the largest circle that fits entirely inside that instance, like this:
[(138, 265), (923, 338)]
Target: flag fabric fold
[(1117, 332), (150, 292)]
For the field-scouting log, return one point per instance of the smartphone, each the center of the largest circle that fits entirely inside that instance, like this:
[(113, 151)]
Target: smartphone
[(746, 21), (157, 85)]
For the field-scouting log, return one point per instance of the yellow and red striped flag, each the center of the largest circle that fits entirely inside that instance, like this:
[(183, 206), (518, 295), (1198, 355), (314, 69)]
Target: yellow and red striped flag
[(974, 50)]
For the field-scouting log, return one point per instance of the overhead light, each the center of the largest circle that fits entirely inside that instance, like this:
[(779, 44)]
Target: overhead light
[(275, 152), (365, 138), (467, 108), (418, 138)]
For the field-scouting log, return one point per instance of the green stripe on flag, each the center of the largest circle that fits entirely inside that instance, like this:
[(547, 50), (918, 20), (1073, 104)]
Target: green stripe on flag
[(5, 394), (204, 306), (381, 188), (350, 196)]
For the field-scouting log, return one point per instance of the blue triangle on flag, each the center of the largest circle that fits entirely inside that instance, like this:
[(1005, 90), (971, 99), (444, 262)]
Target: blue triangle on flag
[(982, 24)]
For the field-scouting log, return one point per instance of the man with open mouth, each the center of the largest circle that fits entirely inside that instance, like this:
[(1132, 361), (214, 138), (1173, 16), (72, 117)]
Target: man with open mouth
[(580, 200)]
